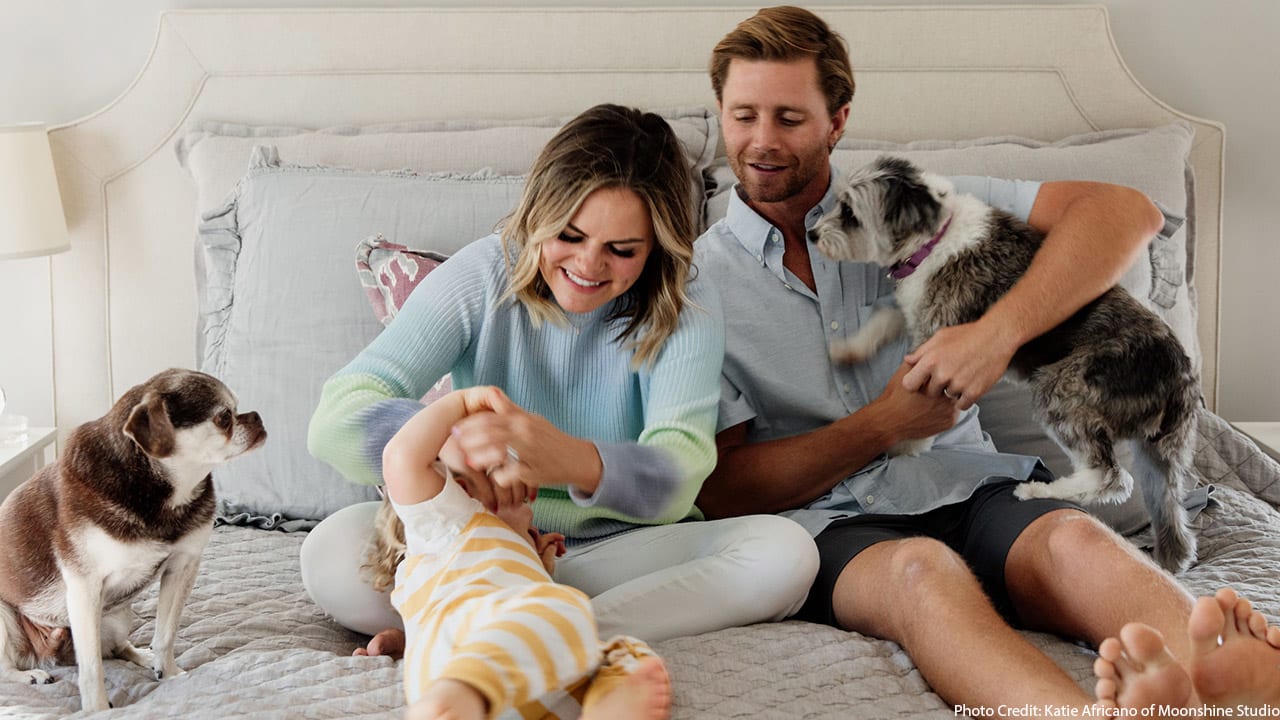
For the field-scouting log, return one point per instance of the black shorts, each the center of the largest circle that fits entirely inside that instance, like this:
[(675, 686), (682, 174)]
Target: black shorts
[(981, 530)]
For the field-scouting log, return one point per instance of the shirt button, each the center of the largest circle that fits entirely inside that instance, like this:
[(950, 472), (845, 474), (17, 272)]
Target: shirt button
[(845, 387), (871, 499), (835, 325), (787, 286), (760, 258)]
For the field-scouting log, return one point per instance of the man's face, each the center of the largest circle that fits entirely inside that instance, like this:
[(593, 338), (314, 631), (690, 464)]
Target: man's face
[(777, 129)]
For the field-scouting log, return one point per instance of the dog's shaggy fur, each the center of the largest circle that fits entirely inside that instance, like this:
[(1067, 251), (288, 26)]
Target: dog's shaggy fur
[(1113, 371)]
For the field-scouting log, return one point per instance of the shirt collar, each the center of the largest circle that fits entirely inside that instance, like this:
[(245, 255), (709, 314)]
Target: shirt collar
[(752, 230)]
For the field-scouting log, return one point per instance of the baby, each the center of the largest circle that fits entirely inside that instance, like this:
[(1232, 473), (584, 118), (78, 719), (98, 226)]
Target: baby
[(486, 628)]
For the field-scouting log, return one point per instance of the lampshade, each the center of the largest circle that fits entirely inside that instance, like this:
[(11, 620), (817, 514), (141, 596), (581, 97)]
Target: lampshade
[(31, 219)]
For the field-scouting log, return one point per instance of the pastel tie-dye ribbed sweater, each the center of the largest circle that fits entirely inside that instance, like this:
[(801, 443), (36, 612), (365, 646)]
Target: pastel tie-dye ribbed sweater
[(654, 427)]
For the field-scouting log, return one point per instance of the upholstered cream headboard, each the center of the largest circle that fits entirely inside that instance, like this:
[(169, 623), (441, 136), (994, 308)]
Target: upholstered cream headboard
[(124, 298)]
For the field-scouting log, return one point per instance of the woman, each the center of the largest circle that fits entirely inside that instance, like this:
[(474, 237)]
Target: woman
[(586, 312)]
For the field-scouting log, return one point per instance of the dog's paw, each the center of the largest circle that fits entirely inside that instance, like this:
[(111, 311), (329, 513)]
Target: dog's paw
[(849, 352), (169, 674), (1033, 490), (136, 655), (27, 677), (911, 447), (166, 669)]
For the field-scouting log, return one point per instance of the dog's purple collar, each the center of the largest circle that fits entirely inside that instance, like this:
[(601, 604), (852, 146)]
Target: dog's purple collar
[(902, 269)]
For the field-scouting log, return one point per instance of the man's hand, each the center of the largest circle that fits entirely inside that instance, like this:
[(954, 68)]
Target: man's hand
[(964, 360), (914, 414)]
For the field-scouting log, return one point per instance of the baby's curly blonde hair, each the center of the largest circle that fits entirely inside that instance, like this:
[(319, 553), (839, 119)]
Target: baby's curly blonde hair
[(387, 550)]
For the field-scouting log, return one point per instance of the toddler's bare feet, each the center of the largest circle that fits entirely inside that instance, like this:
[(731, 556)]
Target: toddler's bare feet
[(645, 694), (1136, 671), (389, 642), (448, 700), (1235, 657)]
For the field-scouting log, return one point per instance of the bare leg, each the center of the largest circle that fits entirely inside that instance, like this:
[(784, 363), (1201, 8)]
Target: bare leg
[(906, 590), (389, 642), (1236, 656), (448, 700), (1070, 575), (642, 694)]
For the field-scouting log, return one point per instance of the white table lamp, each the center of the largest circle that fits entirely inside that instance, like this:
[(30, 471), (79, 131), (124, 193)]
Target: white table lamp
[(31, 219)]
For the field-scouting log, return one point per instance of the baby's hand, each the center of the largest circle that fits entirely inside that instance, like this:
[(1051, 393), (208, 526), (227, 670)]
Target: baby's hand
[(483, 398), (549, 547)]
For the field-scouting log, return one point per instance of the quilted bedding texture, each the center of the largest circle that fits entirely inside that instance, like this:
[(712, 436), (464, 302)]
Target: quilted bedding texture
[(255, 646)]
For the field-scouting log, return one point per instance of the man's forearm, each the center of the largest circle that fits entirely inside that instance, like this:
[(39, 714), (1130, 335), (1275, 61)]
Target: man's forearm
[(788, 473), (1092, 239)]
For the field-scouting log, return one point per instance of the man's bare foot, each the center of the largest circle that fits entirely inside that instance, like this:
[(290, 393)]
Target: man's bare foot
[(1235, 657), (389, 642), (448, 700), (644, 694), (1136, 671)]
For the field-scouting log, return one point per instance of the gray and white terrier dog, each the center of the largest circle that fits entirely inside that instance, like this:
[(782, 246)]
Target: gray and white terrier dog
[(1113, 371)]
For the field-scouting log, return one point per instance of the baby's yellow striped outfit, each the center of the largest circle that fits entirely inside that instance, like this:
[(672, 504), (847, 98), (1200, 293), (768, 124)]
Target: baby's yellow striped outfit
[(478, 606)]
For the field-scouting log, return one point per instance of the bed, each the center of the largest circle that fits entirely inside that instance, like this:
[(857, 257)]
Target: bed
[(216, 206)]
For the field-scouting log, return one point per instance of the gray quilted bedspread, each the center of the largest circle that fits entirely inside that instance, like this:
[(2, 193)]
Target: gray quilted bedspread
[(254, 646)]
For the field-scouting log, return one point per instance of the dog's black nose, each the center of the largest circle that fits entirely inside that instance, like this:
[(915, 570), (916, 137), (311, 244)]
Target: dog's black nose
[(812, 235)]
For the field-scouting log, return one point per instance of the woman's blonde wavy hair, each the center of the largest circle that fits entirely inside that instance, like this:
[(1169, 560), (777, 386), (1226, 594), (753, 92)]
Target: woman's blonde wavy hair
[(609, 146), (388, 548)]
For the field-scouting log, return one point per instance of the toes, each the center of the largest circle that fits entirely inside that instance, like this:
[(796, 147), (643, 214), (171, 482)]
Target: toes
[(1111, 651), (1107, 691), (1144, 646), (1206, 625), (1258, 625), (1105, 670), (1241, 612)]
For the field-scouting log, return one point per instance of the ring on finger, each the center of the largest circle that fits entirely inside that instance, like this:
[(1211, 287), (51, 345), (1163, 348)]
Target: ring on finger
[(947, 392), (513, 457)]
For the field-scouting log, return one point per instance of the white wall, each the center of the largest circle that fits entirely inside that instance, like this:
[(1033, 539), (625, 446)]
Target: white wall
[(64, 59)]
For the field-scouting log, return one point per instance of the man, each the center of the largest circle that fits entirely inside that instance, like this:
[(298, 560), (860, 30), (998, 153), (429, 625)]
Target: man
[(932, 552)]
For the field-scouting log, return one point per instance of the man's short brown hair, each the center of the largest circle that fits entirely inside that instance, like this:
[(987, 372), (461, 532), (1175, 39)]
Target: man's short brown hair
[(788, 33)]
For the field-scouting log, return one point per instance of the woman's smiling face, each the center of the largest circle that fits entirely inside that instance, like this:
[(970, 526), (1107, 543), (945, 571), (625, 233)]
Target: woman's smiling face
[(601, 253)]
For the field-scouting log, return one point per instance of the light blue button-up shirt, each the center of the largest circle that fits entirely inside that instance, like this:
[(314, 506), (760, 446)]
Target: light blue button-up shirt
[(779, 379)]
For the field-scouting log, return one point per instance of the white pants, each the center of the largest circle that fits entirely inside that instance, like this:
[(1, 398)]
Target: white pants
[(653, 583)]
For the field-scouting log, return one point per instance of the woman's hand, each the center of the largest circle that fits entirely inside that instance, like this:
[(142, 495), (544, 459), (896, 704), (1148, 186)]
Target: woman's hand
[(478, 484), (518, 449)]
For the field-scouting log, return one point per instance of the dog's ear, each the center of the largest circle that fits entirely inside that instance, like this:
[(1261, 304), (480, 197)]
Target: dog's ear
[(849, 221), (910, 208), (149, 426)]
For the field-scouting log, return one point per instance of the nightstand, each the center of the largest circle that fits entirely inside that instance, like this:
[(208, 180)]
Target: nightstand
[(1266, 434), (19, 462)]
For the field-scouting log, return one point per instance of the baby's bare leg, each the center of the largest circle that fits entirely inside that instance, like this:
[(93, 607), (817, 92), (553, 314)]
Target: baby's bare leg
[(449, 700)]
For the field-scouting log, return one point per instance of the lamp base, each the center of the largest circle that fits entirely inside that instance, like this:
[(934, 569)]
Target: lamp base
[(13, 430)]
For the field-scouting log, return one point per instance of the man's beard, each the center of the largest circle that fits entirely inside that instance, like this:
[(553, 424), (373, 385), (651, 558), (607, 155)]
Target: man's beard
[(787, 185)]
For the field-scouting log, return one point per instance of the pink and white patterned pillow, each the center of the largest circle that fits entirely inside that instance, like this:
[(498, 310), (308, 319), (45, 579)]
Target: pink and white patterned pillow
[(389, 272)]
